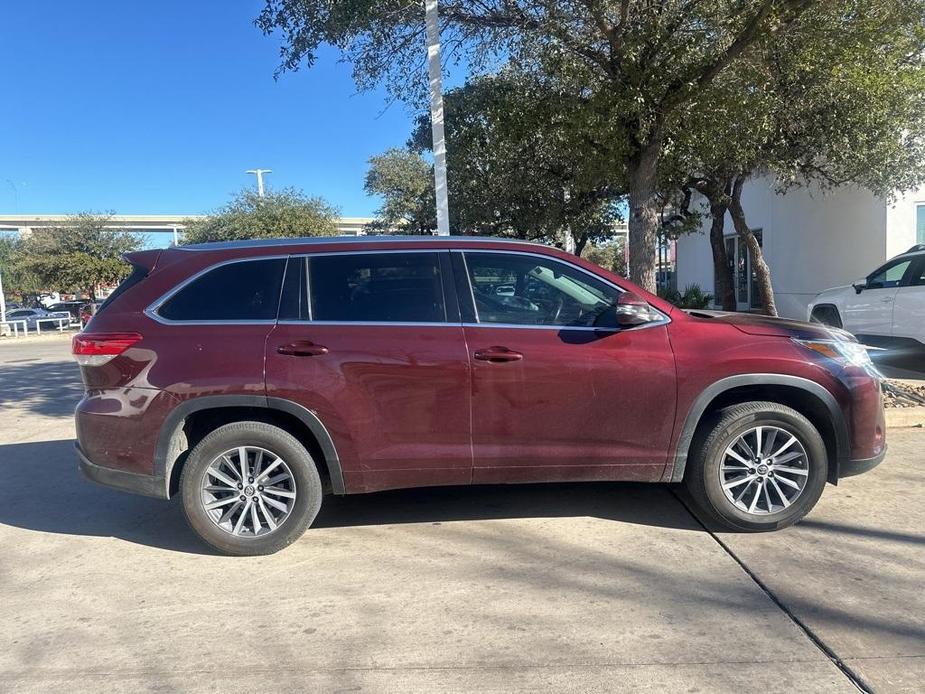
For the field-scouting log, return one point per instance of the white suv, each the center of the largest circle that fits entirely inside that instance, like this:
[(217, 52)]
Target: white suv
[(885, 308)]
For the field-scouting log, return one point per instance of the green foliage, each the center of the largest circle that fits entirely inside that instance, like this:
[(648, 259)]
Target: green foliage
[(78, 256), (692, 297), (610, 256), (406, 183), (516, 166), (280, 214), (17, 281)]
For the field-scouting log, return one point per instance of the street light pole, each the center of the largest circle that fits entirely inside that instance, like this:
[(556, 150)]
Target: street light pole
[(2, 301), (436, 116), (259, 173)]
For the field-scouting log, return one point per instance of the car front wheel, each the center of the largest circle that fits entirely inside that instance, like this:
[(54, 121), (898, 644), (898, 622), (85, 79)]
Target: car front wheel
[(250, 488), (756, 466)]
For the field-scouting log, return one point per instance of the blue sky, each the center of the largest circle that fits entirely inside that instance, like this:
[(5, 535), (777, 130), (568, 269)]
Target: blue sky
[(160, 107)]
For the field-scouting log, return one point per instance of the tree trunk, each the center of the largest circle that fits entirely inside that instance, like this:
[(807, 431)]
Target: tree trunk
[(643, 217), (725, 292), (759, 266), (580, 244)]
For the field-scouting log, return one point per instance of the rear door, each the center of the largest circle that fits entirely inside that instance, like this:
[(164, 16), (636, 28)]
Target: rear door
[(909, 305), (372, 343), (554, 397)]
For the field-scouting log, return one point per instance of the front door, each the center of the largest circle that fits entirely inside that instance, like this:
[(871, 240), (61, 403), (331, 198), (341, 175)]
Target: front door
[(369, 348), (870, 312), (554, 397)]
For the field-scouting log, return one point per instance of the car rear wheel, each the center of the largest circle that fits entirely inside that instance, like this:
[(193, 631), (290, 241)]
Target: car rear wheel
[(756, 466), (250, 488)]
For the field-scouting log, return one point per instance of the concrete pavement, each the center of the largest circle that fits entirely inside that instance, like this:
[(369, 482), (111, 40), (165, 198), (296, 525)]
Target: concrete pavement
[(574, 588)]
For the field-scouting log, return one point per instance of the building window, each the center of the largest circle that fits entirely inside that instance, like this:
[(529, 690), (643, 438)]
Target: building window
[(920, 223)]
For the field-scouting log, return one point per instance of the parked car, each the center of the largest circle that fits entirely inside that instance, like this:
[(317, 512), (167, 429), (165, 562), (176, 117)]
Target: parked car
[(252, 378), (70, 307), (886, 308), (33, 315), (87, 311)]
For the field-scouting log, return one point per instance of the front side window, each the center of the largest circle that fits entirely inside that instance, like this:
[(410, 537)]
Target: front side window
[(377, 288), (238, 291), (532, 290), (890, 275)]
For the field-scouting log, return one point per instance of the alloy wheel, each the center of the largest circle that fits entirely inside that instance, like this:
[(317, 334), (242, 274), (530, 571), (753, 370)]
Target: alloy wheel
[(764, 470), (248, 491)]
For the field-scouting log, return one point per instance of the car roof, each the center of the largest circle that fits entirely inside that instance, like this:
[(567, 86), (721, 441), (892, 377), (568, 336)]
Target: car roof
[(323, 240)]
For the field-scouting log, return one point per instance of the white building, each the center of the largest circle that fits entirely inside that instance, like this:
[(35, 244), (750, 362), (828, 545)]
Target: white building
[(812, 240)]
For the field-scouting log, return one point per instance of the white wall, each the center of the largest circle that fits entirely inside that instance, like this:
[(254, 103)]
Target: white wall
[(900, 222), (812, 241)]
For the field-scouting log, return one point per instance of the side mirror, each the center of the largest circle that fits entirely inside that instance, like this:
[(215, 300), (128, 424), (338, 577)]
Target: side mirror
[(859, 285), (632, 310)]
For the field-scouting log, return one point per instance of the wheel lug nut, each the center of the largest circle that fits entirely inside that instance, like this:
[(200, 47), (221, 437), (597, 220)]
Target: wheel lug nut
[(259, 489), (243, 497), (240, 486), (250, 480)]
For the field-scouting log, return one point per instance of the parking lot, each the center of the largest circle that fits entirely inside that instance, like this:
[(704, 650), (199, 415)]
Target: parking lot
[(575, 588)]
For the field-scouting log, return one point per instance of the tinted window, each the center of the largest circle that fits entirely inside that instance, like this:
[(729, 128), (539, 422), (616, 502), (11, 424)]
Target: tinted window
[(377, 287), (533, 290), (18, 314), (246, 290), (890, 275), (294, 304), (918, 274)]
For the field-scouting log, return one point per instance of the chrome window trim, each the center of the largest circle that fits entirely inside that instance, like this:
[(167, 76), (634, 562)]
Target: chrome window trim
[(369, 324), (653, 324), (151, 311)]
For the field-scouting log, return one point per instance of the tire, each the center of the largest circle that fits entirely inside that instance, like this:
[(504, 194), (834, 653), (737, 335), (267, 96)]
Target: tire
[(827, 315), (294, 474), (711, 467)]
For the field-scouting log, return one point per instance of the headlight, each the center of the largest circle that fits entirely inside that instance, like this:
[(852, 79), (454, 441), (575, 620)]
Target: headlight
[(843, 352)]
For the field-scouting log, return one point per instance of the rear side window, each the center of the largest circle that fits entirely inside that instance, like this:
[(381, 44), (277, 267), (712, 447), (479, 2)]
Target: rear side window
[(377, 287), (239, 291)]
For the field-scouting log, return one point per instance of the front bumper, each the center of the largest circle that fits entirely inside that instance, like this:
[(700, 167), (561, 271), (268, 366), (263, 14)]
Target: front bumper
[(850, 468), (131, 482)]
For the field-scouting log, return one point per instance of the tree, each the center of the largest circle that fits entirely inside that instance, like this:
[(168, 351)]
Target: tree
[(78, 256), (636, 67), (517, 166), (17, 281), (279, 214), (842, 101), (406, 183)]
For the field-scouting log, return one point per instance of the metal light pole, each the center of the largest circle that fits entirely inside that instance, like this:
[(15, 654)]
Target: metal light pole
[(436, 116), (259, 173), (2, 301)]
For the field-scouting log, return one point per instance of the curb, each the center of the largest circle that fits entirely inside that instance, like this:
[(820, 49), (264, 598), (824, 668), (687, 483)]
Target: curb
[(905, 417)]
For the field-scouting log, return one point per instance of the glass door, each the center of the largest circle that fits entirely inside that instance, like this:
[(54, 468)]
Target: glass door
[(744, 279)]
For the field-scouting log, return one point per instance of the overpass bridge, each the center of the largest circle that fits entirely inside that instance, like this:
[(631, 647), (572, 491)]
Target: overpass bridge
[(145, 223)]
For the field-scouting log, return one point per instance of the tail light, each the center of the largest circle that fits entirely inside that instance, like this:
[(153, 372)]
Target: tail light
[(96, 349)]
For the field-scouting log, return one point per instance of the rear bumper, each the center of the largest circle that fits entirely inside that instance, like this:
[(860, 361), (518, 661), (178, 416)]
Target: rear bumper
[(146, 485), (850, 468)]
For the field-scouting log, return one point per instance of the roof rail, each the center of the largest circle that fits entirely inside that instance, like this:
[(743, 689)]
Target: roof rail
[(917, 248)]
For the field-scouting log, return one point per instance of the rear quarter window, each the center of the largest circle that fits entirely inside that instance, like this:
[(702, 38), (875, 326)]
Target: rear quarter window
[(246, 290)]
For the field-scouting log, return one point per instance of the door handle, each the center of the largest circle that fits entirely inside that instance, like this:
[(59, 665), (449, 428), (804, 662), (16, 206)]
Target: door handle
[(497, 354), (887, 299), (302, 348)]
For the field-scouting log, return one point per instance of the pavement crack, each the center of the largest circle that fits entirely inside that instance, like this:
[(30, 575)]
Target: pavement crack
[(859, 682)]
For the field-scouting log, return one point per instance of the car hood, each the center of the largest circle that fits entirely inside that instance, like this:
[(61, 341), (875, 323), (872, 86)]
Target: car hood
[(832, 292), (754, 324)]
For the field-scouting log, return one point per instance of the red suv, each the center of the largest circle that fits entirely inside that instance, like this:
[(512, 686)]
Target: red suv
[(254, 377)]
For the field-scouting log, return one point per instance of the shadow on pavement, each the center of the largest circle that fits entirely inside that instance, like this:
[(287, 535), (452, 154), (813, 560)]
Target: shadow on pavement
[(44, 491), (50, 388)]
